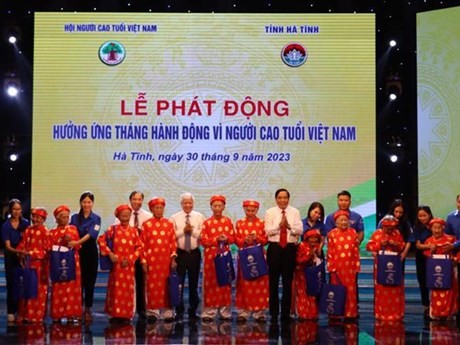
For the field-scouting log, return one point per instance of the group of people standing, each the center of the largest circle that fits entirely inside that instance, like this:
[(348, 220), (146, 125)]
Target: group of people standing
[(145, 247), (28, 245), (430, 237)]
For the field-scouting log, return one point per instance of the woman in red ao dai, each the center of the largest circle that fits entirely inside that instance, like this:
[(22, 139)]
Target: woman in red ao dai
[(217, 231), (343, 260), (251, 295), (443, 303), (119, 302), (158, 259), (66, 296), (305, 306), (388, 300), (35, 246)]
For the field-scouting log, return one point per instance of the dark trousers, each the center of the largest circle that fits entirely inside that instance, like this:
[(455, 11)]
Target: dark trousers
[(420, 264), (89, 262), (11, 265), (281, 263), (189, 264), (140, 294)]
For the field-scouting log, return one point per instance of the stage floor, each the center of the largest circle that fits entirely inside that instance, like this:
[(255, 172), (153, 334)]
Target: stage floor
[(414, 330)]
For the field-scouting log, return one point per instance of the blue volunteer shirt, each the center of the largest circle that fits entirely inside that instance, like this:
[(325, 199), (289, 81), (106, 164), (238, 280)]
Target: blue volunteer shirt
[(90, 225), (453, 226), (421, 233), (13, 235), (356, 222), (318, 226)]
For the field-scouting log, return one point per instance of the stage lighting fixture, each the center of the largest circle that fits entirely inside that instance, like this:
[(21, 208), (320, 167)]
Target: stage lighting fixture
[(393, 85), (394, 142), (392, 43), (11, 32), (11, 86), (12, 91), (393, 90), (393, 158), (14, 157)]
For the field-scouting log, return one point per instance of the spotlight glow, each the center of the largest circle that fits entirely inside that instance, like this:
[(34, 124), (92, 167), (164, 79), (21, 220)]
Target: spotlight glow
[(393, 158), (12, 91), (12, 39), (392, 96), (14, 157), (392, 43)]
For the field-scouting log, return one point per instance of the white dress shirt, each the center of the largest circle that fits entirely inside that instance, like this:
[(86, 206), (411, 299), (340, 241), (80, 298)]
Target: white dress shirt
[(273, 218), (196, 220), (142, 216)]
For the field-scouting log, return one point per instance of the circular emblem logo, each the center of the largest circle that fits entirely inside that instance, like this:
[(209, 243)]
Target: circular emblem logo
[(112, 53), (294, 54)]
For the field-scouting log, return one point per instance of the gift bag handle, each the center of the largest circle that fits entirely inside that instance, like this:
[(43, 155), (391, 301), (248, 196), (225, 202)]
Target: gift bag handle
[(27, 261), (59, 248), (448, 256), (384, 250), (254, 244), (337, 276), (221, 247)]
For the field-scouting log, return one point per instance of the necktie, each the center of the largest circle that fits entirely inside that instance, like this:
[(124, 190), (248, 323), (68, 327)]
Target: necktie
[(188, 237), (136, 220), (283, 231)]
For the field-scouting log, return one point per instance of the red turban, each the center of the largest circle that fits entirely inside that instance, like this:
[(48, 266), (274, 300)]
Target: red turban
[(389, 220), (251, 203), (39, 211), (437, 220), (121, 208), (311, 233), (218, 198), (60, 209), (156, 201), (341, 213)]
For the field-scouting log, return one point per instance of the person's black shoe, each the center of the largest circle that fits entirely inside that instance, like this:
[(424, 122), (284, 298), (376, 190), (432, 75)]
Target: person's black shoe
[(241, 320), (119, 321), (207, 319), (285, 318), (192, 314), (350, 319), (151, 319), (112, 320)]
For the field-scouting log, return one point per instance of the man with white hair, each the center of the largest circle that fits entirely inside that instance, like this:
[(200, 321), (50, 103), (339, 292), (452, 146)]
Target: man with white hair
[(187, 225)]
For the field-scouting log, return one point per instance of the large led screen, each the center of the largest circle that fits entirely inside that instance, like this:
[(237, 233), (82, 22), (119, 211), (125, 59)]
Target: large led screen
[(438, 73), (235, 104)]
